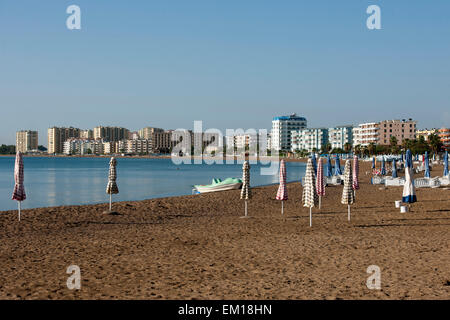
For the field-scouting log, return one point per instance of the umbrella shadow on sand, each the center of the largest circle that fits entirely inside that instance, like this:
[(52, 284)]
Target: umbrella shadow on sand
[(402, 225)]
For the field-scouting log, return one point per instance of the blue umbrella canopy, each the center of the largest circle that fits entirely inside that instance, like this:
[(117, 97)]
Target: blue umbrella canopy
[(408, 163), (373, 162), (314, 163), (446, 163), (409, 191), (383, 167), (427, 166), (337, 167), (394, 169), (329, 167)]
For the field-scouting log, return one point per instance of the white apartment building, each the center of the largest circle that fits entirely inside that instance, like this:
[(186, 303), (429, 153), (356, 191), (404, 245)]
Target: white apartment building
[(136, 146), (366, 133), (312, 139), (339, 136), (82, 147), (282, 128)]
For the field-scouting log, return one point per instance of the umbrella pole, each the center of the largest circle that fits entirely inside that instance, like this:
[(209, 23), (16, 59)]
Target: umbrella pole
[(245, 207), (282, 206), (310, 216), (18, 203), (110, 202), (348, 212)]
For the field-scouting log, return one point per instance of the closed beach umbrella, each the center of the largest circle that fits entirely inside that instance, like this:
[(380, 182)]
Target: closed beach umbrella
[(446, 163), (403, 158), (355, 183), (394, 169), (314, 162), (383, 167), (348, 194), (309, 197), (337, 166), (329, 166), (245, 191), (282, 194), (373, 162), (409, 190), (320, 183), (19, 189), (112, 188), (427, 166)]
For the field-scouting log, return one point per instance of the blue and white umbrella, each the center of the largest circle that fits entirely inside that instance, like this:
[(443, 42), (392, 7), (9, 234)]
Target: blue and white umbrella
[(383, 167), (329, 167), (373, 162), (409, 190), (446, 164), (337, 166), (314, 163), (394, 169), (427, 166)]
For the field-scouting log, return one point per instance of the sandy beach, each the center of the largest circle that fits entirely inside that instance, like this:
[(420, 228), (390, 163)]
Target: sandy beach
[(197, 247)]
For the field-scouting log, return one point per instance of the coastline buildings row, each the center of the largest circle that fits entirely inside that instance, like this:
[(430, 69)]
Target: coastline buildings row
[(288, 133)]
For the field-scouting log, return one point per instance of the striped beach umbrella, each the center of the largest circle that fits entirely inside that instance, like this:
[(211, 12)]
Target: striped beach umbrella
[(320, 182), (348, 194), (309, 196), (329, 167), (446, 163), (246, 191), (355, 183), (427, 165), (409, 190), (314, 162), (394, 169), (19, 188), (111, 187), (383, 166), (337, 166), (282, 194)]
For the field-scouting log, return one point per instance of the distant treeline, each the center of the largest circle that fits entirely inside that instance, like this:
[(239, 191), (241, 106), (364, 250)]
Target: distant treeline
[(4, 149)]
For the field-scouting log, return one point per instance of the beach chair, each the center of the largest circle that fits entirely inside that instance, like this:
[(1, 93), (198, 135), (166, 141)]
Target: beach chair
[(334, 180), (394, 182), (378, 180), (444, 181)]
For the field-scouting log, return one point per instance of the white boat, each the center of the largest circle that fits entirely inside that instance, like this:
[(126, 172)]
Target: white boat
[(219, 185)]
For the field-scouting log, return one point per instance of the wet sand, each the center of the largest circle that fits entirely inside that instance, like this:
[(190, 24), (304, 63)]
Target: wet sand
[(197, 247)]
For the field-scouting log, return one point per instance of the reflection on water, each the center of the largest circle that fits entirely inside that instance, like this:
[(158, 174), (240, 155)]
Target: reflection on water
[(74, 181)]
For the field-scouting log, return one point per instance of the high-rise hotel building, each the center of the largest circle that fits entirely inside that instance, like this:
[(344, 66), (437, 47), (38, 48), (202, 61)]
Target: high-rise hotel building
[(58, 135), (111, 134), (282, 127), (26, 140)]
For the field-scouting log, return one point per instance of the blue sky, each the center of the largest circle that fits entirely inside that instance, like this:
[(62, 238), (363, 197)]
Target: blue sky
[(232, 64)]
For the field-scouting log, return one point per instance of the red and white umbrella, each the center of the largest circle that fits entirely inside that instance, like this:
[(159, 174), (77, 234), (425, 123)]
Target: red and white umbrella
[(282, 194), (320, 183), (19, 189)]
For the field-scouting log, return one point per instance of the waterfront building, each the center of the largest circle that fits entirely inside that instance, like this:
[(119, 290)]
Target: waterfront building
[(76, 146), (311, 139), (425, 133), (58, 135), (87, 134), (400, 129), (26, 141), (444, 135), (282, 128), (365, 134), (110, 134), (339, 136)]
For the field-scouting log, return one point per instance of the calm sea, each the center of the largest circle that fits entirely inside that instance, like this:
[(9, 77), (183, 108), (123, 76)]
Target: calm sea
[(75, 181)]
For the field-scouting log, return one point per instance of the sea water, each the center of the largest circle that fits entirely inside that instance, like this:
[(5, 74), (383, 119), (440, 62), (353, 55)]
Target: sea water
[(56, 181)]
